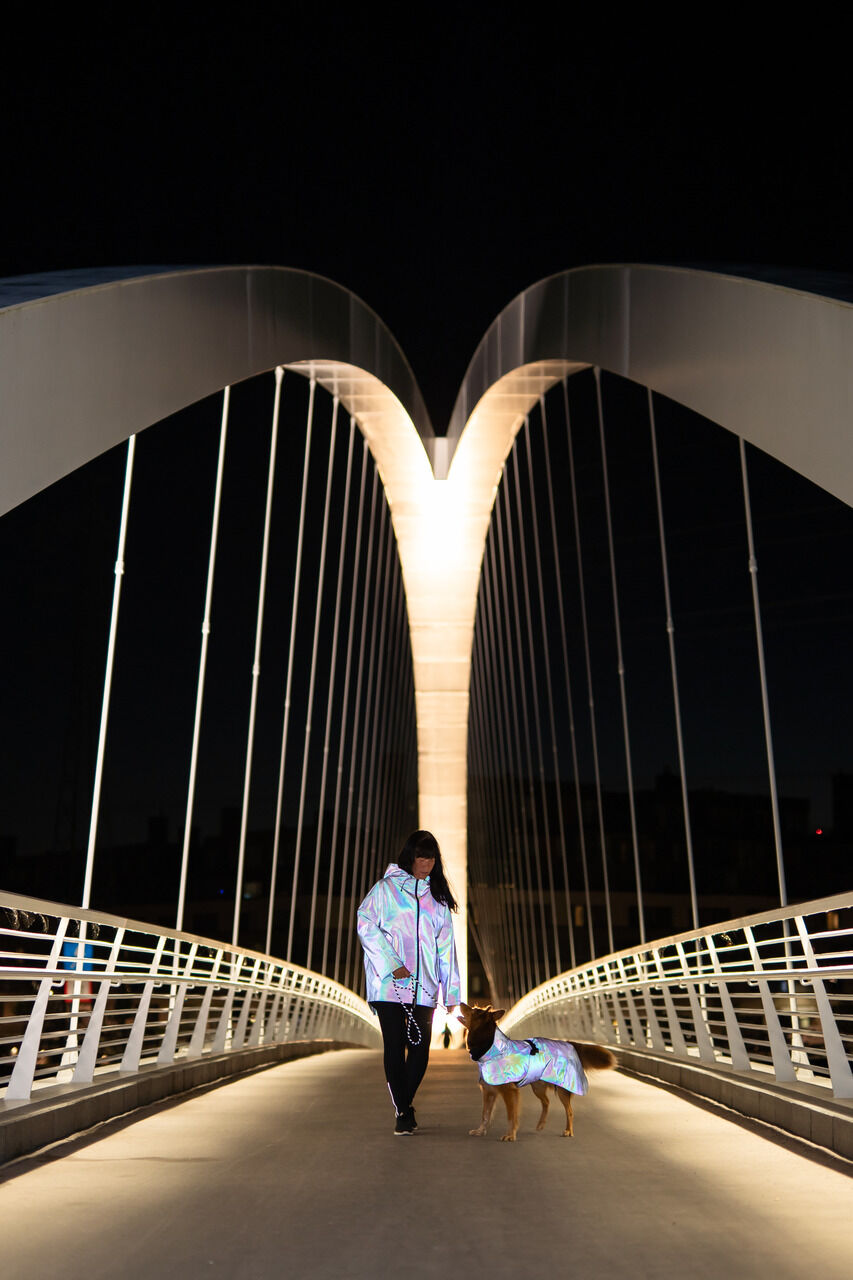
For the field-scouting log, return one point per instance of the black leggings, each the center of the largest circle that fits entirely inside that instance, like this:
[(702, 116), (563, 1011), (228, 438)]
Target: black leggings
[(405, 1063)]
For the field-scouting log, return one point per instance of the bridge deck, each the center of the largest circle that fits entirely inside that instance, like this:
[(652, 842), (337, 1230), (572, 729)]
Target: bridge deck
[(294, 1171)]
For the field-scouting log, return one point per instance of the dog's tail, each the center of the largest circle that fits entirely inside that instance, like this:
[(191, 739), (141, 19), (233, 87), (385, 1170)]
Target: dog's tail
[(594, 1057)]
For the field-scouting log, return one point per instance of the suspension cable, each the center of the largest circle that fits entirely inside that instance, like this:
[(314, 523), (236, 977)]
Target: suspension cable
[(670, 629), (330, 703), (309, 714), (518, 649), (386, 819), (397, 712), (297, 577), (354, 756), (202, 665), (506, 647), (478, 736), (525, 703), (488, 952), (496, 689), (385, 688), (550, 695), (620, 661), (369, 733), (345, 713), (108, 680), (485, 741), (765, 702), (493, 749), (589, 685), (512, 802), (569, 700), (534, 678), (256, 665)]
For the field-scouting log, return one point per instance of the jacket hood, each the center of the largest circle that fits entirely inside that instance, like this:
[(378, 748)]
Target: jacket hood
[(397, 874)]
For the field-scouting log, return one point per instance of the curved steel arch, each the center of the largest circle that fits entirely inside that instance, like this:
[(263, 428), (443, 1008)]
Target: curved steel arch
[(768, 362), (103, 355), (83, 367)]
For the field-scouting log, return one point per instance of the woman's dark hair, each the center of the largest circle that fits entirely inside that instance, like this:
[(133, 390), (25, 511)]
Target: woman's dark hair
[(423, 844)]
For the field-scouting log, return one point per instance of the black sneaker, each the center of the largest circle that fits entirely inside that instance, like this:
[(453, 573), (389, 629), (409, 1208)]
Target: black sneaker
[(413, 1124), (403, 1125)]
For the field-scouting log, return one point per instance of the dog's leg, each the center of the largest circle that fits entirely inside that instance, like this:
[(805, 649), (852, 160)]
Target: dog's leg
[(490, 1097), (566, 1099), (511, 1095), (542, 1092)]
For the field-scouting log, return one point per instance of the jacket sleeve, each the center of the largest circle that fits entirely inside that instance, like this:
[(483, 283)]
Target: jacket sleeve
[(376, 946), (448, 966)]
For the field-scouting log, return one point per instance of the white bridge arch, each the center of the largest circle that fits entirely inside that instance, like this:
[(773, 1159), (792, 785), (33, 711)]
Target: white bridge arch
[(87, 359)]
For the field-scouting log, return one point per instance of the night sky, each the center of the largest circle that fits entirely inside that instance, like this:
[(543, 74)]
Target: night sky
[(436, 171)]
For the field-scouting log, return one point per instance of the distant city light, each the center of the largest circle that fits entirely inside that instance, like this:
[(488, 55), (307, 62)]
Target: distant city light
[(819, 831)]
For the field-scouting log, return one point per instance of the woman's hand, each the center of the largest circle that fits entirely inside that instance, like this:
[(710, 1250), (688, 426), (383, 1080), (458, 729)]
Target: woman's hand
[(402, 972)]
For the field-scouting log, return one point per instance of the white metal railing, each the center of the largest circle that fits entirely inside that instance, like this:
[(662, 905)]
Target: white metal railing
[(83, 992), (770, 993)]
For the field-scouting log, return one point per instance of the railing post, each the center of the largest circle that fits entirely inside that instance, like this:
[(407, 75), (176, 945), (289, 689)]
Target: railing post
[(272, 1020), (258, 1024), (20, 1085), (704, 1043), (196, 1045), (603, 1023), (225, 1016), (624, 1037), (239, 1036), (169, 1044), (737, 1048), (783, 1067), (836, 1057), (196, 1048), (676, 1035), (133, 1048), (84, 1071), (585, 1010), (637, 1033)]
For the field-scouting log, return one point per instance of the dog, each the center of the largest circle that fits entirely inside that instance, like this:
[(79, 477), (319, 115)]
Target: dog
[(506, 1065)]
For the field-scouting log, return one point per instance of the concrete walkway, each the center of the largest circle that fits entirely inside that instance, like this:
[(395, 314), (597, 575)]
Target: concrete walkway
[(294, 1172)]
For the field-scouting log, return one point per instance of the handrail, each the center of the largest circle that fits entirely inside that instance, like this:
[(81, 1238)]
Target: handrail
[(85, 991), (769, 992)]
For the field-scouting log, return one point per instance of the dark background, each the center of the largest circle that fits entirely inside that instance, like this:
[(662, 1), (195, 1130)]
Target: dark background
[(436, 163), (436, 168)]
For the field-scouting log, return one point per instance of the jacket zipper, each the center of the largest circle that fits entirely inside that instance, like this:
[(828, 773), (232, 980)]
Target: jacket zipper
[(417, 944)]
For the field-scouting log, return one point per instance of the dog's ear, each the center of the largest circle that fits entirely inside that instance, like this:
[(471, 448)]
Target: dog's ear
[(497, 1013)]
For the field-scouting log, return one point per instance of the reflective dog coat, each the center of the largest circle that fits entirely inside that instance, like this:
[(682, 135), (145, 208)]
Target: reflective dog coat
[(516, 1062)]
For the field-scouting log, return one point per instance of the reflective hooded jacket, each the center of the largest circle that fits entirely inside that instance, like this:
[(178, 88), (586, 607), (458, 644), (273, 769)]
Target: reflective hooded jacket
[(400, 923)]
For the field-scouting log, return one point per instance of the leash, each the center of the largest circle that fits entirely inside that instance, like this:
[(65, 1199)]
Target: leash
[(408, 1014)]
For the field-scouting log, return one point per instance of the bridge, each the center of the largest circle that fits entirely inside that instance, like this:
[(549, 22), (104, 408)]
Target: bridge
[(434, 610)]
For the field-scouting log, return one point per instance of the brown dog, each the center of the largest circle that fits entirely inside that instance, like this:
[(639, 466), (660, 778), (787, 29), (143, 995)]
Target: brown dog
[(481, 1025)]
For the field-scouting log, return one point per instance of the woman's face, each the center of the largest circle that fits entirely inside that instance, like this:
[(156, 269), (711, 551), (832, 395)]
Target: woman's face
[(421, 867)]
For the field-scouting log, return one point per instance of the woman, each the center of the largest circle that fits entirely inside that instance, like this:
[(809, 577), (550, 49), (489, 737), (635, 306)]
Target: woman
[(405, 928)]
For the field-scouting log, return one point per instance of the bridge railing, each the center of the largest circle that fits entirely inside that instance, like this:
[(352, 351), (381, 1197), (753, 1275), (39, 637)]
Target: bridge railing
[(84, 992), (769, 993)]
